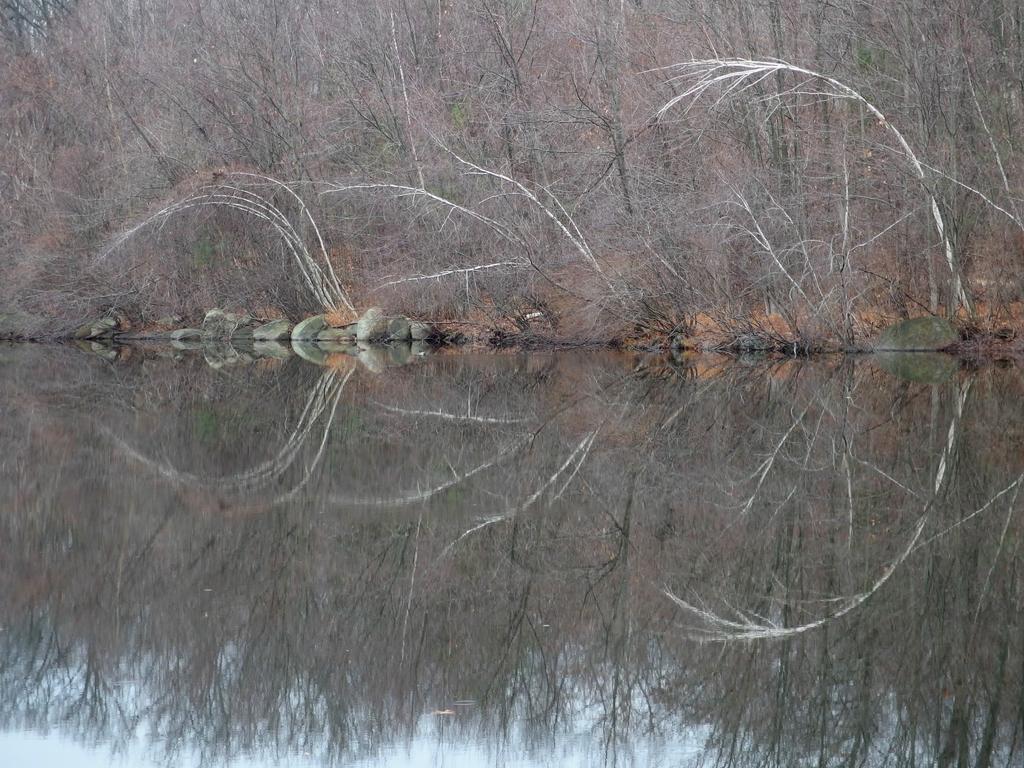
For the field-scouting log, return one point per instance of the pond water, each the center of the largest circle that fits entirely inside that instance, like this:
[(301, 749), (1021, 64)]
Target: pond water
[(557, 559)]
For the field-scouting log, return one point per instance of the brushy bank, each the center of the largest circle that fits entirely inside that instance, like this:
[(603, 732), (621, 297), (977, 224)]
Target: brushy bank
[(538, 170)]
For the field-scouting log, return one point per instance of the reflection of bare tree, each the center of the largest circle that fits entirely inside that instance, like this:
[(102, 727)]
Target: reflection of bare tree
[(323, 399), (322, 405), (577, 456), (130, 606), (748, 626), (467, 416), (420, 495)]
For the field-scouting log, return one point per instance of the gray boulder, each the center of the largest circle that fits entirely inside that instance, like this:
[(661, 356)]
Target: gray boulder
[(186, 334), (421, 349), (348, 333), (221, 325), (275, 330), (399, 329), (309, 328), (96, 329), (419, 331), (922, 334), (373, 325)]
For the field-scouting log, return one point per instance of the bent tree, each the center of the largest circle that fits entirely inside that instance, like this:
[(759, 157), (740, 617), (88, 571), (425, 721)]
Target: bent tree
[(738, 77)]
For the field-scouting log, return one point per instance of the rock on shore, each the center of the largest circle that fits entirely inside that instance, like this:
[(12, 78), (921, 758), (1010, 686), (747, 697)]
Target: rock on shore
[(922, 334)]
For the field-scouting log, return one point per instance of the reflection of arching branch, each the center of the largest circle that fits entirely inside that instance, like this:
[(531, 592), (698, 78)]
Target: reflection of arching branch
[(323, 443), (583, 445), (750, 627), (414, 497), (947, 450), (326, 391), (326, 394), (468, 416), (747, 628), (1014, 486), (766, 466), (485, 523), (884, 474)]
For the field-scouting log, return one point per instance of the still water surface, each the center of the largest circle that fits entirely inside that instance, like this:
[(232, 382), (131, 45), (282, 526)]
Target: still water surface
[(523, 560)]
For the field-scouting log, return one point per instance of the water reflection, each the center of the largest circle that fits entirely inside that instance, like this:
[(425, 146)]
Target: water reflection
[(531, 559)]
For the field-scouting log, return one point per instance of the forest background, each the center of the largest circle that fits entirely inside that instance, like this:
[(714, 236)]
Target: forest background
[(607, 169)]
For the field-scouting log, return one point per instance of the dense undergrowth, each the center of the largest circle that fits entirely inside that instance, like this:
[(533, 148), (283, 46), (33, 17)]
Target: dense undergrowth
[(791, 175)]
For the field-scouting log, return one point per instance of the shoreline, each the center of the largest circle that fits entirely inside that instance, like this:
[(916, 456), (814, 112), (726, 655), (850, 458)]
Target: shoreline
[(987, 340), (977, 351), (915, 367)]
